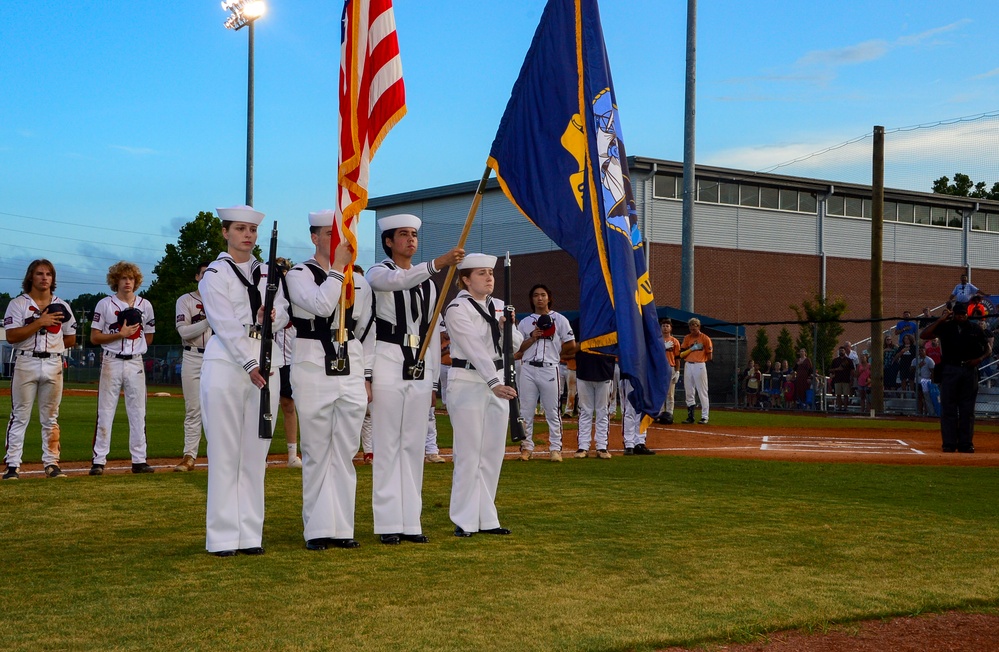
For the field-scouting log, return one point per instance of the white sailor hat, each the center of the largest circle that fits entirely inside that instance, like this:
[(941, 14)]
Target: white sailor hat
[(398, 222), (324, 217), (240, 214), (471, 261)]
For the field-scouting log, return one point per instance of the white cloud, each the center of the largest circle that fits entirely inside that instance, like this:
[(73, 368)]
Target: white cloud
[(859, 53)]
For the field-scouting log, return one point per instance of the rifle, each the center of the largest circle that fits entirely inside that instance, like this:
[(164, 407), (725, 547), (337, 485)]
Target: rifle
[(265, 431), (517, 426)]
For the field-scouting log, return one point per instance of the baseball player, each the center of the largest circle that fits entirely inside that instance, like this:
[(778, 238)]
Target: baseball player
[(332, 382), (285, 339), (696, 351), (192, 325), (547, 338), (631, 421), (233, 290), (40, 327), (594, 380), (478, 401), (673, 360), (123, 327), (401, 389)]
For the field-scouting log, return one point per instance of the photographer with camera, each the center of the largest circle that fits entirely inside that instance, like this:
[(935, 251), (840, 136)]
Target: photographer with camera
[(192, 326), (964, 344), (547, 338)]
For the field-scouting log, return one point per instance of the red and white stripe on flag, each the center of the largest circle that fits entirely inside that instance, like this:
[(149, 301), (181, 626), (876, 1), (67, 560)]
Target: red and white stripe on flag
[(372, 101)]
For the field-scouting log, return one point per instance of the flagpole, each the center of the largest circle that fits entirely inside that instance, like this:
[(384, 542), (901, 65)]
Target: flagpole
[(450, 270)]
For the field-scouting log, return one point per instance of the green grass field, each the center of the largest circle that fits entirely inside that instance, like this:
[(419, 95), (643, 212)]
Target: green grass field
[(631, 553), (625, 554)]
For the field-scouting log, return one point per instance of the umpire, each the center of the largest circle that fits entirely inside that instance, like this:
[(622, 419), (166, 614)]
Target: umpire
[(964, 345)]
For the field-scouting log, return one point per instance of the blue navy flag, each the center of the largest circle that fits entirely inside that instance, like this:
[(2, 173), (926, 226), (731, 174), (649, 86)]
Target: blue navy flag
[(559, 157)]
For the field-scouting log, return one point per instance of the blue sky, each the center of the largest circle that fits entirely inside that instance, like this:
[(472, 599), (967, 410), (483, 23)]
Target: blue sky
[(120, 121)]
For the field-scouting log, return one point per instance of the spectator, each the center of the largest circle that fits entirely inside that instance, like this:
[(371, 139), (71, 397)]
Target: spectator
[(841, 372), (925, 318), (890, 366), (803, 374), (776, 385), (963, 291), (906, 326), (932, 348), (904, 356), (923, 368), (754, 381), (864, 382)]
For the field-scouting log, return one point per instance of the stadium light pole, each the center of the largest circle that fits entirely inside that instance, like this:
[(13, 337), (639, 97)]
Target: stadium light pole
[(244, 13)]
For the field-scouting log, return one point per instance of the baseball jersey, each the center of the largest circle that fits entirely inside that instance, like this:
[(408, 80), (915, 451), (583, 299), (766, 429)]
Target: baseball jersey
[(106, 320), (546, 350), (22, 310), (192, 324), (702, 355), (672, 352)]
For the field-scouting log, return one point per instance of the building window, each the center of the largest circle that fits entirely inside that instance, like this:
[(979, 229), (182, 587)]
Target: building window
[(707, 191), (938, 216), (868, 208), (854, 207), (749, 196), (769, 198), (788, 200), (979, 221), (836, 205), (729, 193), (954, 219), (993, 222), (807, 203), (891, 211), (667, 187), (921, 214), (906, 213)]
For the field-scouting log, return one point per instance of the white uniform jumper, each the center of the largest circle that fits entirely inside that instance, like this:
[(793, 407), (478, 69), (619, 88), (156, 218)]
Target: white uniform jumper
[(330, 407), (539, 378), (192, 325), (37, 373), (399, 406), (230, 403), (122, 368), (479, 418)]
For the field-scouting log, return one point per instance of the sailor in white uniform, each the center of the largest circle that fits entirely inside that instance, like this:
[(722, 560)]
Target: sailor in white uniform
[(40, 327), (194, 331), (331, 379), (404, 303), (477, 399), (233, 290)]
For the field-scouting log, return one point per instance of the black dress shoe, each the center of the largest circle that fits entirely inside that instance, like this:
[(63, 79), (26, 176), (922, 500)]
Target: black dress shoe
[(495, 530), (641, 449), (948, 449), (390, 539), (970, 449), (458, 532), (225, 553), (344, 543), (256, 550), (415, 538), (317, 544), (142, 468)]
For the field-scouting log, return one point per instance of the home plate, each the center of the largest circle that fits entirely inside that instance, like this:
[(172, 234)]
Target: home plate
[(802, 444)]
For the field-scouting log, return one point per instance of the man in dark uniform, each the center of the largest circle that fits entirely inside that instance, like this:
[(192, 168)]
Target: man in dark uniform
[(964, 345)]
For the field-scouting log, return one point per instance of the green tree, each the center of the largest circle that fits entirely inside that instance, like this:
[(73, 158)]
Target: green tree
[(825, 315), (83, 307), (785, 346), (4, 300), (963, 186), (761, 352), (199, 240)]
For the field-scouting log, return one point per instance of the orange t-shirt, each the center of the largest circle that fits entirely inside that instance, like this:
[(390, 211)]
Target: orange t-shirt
[(704, 354), (671, 354)]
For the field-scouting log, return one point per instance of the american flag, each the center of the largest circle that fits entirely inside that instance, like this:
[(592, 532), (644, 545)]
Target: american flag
[(372, 101)]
